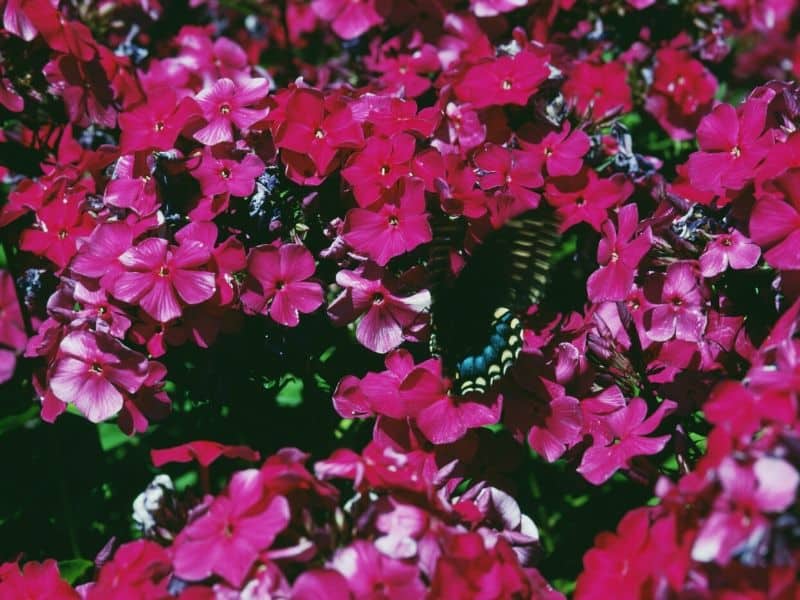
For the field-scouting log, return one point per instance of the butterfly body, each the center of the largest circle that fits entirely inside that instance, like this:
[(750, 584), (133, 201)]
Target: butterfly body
[(476, 315)]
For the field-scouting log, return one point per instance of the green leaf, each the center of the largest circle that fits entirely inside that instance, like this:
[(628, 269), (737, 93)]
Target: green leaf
[(291, 393), (111, 436), (16, 421), (74, 569)]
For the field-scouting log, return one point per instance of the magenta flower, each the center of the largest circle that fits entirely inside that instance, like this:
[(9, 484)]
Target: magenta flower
[(442, 417), (309, 129), (158, 276), (775, 222), (555, 422), (513, 172), (228, 538), (367, 571), (766, 486), (586, 197), (563, 151), (680, 313), (619, 253), (348, 19), (378, 166), (12, 327), (157, 124), (728, 250), (225, 104), (625, 437), (503, 80), (59, 226), (132, 186), (94, 372), (276, 284), (98, 258), (320, 583), (600, 89), (220, 173), (398, 226), (732, 143), (682, 91), (388, 319)]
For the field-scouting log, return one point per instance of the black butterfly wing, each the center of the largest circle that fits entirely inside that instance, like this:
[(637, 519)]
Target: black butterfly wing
[(477, 329)]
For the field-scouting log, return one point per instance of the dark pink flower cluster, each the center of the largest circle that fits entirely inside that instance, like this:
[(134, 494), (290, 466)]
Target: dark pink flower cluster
[(728, 528), (395, 534)]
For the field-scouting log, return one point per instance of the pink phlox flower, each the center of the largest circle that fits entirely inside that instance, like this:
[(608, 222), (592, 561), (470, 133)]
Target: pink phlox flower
[(227, 103), (138, 569), (503, 80), (442, 417), (350, 19), (728, 250), (34, 580), (366, 570), (769, 485), (228, 538), (277, 284), (12, 326), (59, 226), (388, 318), (132, 186), (624, 436), (98, 258), (378, 166), (619, 252), (586, 197), (399, 224), (561, 151), (511, 172), (600, 89), (157, 124), (464, 126), (681, 93), (224, 171), (680, 313), (319, 131), (159, 276), (492, 8), (227, 258), (149, 403), (732, 144), (203, 451), (94, 372), (378, 393), (775, 221)]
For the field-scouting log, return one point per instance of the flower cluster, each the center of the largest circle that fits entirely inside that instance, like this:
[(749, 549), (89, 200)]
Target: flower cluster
[(398, 534), (311, 176)]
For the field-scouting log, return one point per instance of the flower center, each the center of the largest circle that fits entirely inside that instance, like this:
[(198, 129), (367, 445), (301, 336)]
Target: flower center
[(96, 368), (279, 285), (614, 257), (158, 126), (319, 134), (225, 173), (677, 302), (385, 170), (63, 234), (727, 242), (506, 84), (225, 108), (393, 221), (377, 298), (736, 152), (163, 271), (580, 201)]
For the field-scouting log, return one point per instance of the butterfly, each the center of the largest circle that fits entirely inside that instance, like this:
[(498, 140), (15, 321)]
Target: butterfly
[(476, 317)]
